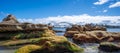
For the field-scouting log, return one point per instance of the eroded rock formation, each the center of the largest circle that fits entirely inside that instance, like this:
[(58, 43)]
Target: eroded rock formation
[(10, 19), (75, 29), (91, 34), (10, 23), (96, 37), (10, 28)]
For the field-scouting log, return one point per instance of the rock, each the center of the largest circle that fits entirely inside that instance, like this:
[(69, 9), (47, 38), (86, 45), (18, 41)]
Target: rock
[(116, 36), (10, 19), (83, 38), (28, 49), (109, 47), (96, 37), (54, 44), (70, 33), (83, 29), (76, 28)]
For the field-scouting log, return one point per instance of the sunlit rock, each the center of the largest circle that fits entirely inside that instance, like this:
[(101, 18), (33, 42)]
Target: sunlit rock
[(96, 37), (54, 44)]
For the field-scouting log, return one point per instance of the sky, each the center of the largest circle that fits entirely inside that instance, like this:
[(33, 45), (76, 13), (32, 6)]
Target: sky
[(39, 11)]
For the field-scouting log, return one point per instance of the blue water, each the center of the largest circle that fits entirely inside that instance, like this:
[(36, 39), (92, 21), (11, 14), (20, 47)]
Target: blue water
[(60, 29), (113, 29)]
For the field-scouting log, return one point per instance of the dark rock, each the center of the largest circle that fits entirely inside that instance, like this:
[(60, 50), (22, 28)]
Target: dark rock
[(109, 47), (70, 34)]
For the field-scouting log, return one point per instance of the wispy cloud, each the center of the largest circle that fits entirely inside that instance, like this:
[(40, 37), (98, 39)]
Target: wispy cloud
[(105, 11), (72, 19), (117, 4), (100, 2)]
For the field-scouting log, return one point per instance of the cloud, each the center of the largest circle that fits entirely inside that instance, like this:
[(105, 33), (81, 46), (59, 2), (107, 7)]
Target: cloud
[(105, 11), (100, 2), (117, 4), (85, 18)]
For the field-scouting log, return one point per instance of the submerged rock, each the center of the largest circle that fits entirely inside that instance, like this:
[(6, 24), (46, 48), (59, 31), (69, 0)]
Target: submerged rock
[(54, 44), (109, 47)]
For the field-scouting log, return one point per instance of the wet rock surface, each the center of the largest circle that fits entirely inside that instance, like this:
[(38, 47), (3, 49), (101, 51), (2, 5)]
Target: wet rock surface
[(109, 47)]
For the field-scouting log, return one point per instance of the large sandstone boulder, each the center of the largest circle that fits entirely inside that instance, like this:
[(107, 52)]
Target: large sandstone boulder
[(75, 29), (10, 19), (53, 44), (84, 38), (109, 47), (96, 37)]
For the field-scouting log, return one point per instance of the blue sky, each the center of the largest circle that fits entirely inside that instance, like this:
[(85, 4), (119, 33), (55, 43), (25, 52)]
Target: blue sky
[(33, 9)]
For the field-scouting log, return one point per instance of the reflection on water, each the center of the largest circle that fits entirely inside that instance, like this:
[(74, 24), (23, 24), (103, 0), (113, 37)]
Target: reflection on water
[(8, 49), (60, 33)]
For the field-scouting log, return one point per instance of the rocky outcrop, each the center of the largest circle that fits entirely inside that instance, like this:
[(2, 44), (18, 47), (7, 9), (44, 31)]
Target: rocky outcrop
[(109, 47), (91, 34), (10, 19), (10, 23), (75, 29), (53, 44), (70, 34), (26, 34), (87, 27), (96, 37)]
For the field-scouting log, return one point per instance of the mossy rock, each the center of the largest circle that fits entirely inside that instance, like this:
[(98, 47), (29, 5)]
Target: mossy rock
[(55, 44), (27, 49), (37, 34), (47, 33), (109, 46)]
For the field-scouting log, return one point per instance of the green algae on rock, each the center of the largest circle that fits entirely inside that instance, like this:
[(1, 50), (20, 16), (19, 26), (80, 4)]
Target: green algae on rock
[(27, 49), (109, 46), (55, 44)]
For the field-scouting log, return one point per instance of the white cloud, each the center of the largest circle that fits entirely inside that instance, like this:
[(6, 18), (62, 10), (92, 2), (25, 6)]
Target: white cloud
[(117, 4), (72, 19), (105, 11), (100, 2)]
